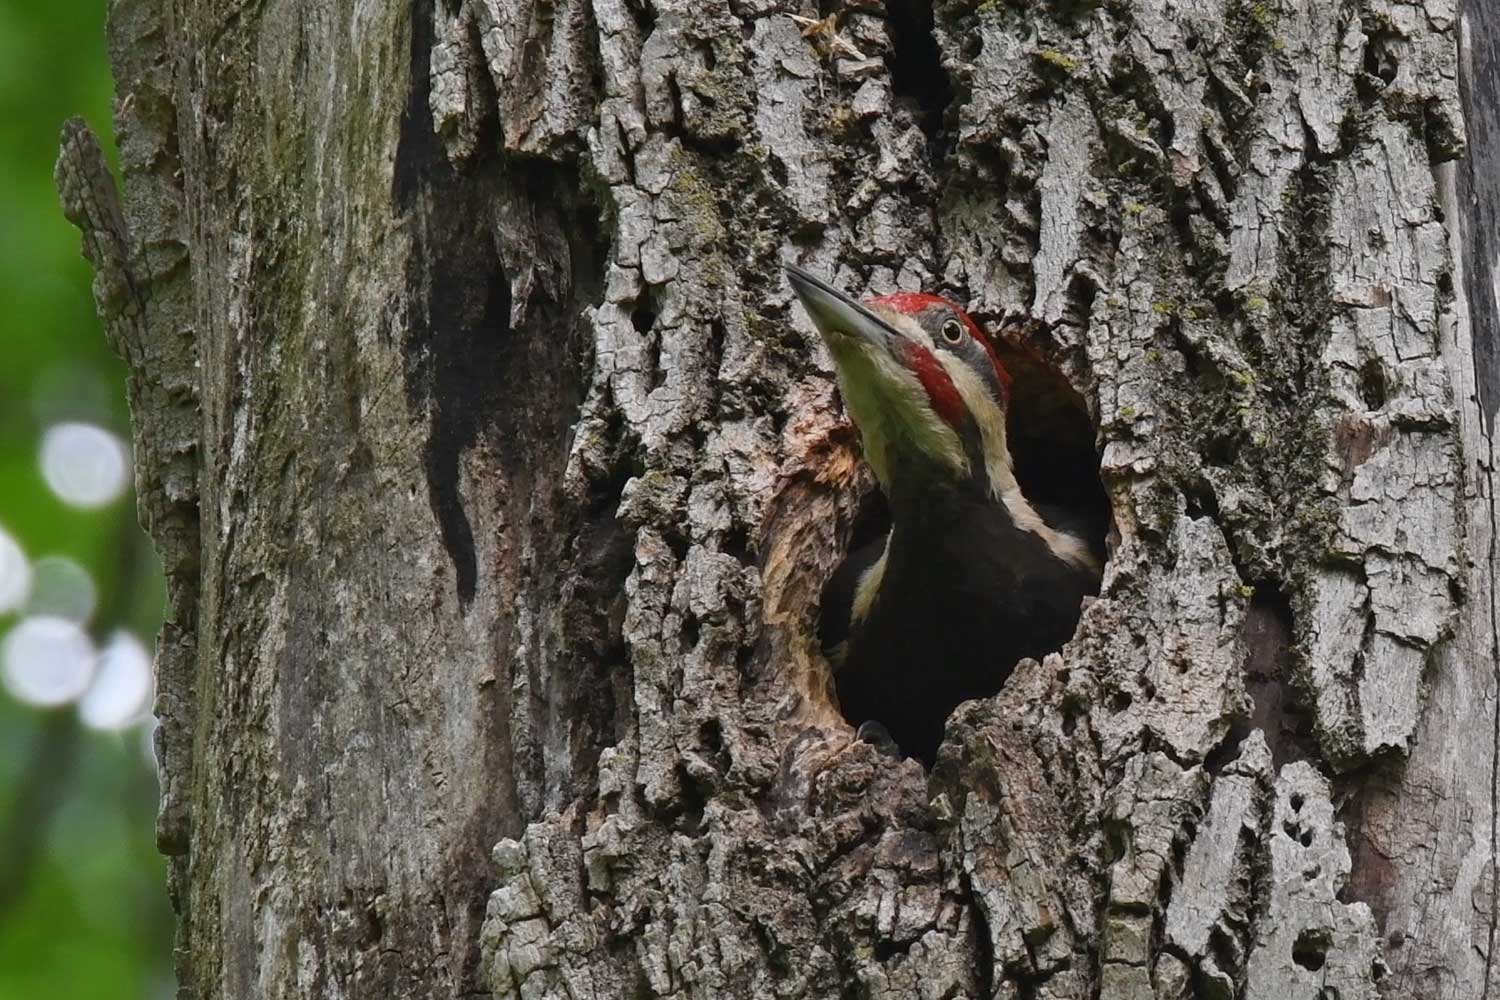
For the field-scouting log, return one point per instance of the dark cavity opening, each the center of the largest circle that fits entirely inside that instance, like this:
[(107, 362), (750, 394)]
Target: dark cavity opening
[(1056, 463), (1372, 384), (643, 316), (1052, 440), (1269, 632), (916, 65), (1311, 950)]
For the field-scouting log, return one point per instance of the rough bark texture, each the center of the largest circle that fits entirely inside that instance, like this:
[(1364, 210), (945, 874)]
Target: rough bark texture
[(496, 474)]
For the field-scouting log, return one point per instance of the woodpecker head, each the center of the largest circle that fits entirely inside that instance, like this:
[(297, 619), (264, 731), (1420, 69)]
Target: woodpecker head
[(921, 382)]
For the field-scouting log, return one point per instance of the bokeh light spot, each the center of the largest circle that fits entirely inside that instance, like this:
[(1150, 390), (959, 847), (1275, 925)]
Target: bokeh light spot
[(85, 465), (61, 588), (46, 660), (15, 574), (121, 693)]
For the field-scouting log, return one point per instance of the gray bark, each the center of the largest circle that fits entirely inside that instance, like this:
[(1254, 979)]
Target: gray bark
[(496, 474)]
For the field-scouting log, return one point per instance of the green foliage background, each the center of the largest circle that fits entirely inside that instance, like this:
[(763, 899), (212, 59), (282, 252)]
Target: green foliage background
[(83, 908)]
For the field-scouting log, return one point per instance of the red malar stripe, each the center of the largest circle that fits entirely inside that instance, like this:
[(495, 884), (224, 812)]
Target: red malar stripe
[(934, 378)]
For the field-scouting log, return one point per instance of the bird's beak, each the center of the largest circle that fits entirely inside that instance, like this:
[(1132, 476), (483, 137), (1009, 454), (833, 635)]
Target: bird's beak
[(841, 320), (902, 406)]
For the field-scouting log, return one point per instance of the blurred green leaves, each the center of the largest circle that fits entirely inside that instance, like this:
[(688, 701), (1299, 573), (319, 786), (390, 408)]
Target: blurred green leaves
[(83, 909)]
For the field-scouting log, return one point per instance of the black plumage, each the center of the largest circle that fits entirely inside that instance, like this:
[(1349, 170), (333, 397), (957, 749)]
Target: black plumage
[(965, 594)]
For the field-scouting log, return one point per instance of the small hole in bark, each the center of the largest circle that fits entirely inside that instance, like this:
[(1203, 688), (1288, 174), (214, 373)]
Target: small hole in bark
[(1306, 839), (1120, 701), (1228, 750), (374, 925), (643, 316), (692, 802), (736, 543), (1311, 949), (1200, 500), (1379, 62), (1192, 43), (1372, 384), (1226, 304), (679, 114), (992, 165), (645, 16), (1296, 801), (973, 45), (1116, 841), (711, 737), (1221, 450), (677, 542), (1082, 291), (778, 171), (690, 634), (716, 339)]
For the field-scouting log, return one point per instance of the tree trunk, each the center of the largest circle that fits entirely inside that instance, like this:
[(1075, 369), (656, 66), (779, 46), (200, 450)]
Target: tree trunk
[(496, 473)]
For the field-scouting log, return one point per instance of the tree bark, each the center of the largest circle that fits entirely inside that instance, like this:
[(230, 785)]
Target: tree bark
[(496, 472)]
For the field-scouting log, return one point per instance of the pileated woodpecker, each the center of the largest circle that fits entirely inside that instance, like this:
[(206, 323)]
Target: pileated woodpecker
[(972, 576)]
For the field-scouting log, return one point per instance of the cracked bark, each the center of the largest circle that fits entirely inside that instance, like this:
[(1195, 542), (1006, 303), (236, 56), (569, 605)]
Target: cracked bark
[(496, 473)]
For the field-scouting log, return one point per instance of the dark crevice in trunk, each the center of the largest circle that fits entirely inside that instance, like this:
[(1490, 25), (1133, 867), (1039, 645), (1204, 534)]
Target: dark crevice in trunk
[(1478, 185), (1304, 297), (1269, 634), (984, 950), (917, 73), (644, 13), (1479, 189), (591, 615), (459, 304)]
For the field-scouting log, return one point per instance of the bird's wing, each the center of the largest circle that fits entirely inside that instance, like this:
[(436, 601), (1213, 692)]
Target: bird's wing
[(836, 605)]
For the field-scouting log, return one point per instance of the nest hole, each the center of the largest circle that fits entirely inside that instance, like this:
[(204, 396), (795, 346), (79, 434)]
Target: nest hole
[(1053, 443), (1311, 949), (1052, 440)]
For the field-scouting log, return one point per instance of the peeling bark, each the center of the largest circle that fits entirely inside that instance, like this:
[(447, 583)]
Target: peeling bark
[(497, 473)]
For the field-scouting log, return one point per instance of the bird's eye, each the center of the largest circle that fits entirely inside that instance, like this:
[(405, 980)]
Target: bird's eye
[(953, 331)]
